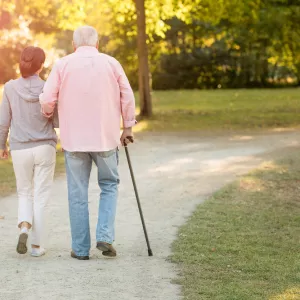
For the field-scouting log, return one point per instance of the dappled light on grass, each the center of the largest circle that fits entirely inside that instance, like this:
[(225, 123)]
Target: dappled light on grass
[(290, 294), (272, 166), (270, 169), (251, 184)]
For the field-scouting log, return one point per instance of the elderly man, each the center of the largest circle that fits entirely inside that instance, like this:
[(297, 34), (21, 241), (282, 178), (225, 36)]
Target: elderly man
[(92, 92)]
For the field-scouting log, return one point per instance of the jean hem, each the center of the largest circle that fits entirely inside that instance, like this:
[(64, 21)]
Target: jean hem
[(81, 254), (104, 241)]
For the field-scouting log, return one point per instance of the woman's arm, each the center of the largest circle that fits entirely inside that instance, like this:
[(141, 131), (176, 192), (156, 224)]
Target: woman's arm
[(5, 120)]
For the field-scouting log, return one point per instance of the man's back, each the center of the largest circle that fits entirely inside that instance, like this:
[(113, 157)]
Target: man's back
[(92, 92)]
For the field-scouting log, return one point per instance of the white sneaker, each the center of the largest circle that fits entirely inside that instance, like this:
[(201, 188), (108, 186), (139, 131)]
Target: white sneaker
[(37, 252)]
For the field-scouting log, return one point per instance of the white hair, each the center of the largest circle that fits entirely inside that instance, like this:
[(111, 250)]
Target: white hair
[(85, 36)]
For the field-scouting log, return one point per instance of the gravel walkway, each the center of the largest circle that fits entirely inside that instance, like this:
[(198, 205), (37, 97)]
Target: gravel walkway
[(174, 174)]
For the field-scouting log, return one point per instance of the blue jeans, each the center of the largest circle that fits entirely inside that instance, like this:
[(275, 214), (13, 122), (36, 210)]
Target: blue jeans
[(78, 166)]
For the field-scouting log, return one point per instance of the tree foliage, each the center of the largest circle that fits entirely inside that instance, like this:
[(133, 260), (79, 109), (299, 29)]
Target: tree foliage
[(191, 43)]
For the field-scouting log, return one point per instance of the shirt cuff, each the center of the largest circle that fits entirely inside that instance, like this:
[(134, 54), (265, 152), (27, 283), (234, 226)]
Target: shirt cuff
[(129, 124)]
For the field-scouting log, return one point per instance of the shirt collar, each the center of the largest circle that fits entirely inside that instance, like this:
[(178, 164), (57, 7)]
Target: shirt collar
[(87, 49)]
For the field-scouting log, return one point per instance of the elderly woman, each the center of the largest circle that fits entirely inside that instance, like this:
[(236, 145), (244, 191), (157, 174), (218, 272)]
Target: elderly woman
[(32, 144)]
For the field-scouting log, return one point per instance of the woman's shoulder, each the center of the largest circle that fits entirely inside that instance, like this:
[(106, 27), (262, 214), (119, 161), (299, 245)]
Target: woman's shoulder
[(35, 81), (9, 83)]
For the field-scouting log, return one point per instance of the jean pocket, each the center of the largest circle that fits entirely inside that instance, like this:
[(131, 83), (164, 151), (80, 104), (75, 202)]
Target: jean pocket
[(74, 154), (106, 154)]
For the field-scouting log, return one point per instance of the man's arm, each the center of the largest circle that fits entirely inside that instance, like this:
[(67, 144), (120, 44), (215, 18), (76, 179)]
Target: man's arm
[(55, 119), (127, 98), (49, 97), (5, 121), (127, 105)]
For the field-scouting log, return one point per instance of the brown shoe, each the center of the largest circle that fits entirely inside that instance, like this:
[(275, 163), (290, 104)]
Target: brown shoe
[(79, 257), (22, 243), (107, 249)]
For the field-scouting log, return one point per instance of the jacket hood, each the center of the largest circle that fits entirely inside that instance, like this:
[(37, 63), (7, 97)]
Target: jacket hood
[(29, 89)]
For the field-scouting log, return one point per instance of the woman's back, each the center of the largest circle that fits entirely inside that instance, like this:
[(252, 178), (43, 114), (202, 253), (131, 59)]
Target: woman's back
[(22, 111), (33, 147)]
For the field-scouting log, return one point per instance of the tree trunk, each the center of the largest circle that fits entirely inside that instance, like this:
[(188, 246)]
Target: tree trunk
[(144, 80)]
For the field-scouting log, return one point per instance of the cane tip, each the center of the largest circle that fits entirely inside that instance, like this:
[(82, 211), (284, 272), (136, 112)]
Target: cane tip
[(150, 253)]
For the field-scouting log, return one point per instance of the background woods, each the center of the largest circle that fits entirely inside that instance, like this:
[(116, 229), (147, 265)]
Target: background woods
[(191, 44)]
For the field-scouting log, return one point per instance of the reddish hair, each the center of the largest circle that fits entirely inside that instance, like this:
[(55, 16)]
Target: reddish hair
[(31, 60)]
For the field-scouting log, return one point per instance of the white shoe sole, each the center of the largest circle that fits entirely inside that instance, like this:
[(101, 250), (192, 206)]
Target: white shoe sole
[(38, 254)]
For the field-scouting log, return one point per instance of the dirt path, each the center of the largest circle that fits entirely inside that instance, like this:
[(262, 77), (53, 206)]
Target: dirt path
[(174, 174)]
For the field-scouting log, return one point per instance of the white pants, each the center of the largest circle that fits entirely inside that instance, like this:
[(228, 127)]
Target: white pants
[(34, 171)]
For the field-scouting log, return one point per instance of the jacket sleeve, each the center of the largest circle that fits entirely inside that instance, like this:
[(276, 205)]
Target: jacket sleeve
[(5, 119)]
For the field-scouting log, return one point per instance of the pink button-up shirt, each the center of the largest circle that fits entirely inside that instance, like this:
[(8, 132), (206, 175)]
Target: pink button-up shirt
[(92, 92)]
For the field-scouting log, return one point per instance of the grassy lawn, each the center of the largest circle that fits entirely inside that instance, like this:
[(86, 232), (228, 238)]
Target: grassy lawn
[(7, 183), (223, 109), (243, 243)]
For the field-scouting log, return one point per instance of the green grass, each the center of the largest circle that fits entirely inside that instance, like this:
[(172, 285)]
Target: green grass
[(243, 243), (7, 183), (223, 109)]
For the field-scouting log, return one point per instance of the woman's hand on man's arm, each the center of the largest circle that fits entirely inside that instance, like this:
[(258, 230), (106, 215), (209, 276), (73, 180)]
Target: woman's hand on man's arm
[(4, 154)]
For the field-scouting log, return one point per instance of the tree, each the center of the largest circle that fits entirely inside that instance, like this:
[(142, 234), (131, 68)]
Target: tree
[(144, 79), (181, 43)]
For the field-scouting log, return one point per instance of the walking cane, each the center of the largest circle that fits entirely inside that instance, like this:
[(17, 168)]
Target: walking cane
[(150, 253)]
